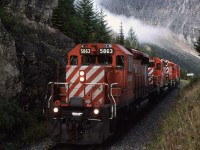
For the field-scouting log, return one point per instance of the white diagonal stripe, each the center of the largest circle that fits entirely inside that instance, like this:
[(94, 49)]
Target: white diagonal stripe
[(150, 72), (75, 77), (97, 92), (99, 77), (92, 71), (75, 89), (69, 72)]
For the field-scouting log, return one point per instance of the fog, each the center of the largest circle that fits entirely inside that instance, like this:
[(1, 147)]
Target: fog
[(144, 32)]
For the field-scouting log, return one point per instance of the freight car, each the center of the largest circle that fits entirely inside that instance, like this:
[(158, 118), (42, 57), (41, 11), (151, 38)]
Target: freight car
[(103, 82)]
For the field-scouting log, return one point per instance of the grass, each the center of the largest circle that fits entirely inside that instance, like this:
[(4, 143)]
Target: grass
[(181, 128), (19, 127), (35, 133)]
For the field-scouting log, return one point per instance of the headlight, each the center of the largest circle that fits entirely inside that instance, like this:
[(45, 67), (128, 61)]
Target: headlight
[(82, 79), (81, 73), (96, 111), (55, 110)]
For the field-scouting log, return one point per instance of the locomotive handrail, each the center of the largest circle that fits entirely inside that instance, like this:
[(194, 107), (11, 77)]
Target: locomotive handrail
[(110, 95), (49, 101), (59, 83), (101, 84), (96, 83), (115, 110), (112, 99), (56, 83)]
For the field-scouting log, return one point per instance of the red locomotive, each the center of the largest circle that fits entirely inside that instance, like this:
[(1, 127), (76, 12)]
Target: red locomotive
[(173, 73), (157, 75), (102, 82)]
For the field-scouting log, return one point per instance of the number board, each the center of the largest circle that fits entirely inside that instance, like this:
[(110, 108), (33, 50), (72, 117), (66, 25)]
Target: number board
[(106, 51), (151, 60), (85, 51)]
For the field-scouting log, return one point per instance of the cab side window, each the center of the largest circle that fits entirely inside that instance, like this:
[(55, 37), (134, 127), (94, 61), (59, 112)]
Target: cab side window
[(73, 60), (158, 66), (120, 62)]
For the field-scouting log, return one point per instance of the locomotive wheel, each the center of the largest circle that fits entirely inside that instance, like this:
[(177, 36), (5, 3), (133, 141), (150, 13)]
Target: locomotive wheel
[(54, 129), (108, 127), (158, 90), (113, 125)]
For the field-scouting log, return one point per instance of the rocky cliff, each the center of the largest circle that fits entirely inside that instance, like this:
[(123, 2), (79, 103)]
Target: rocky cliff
[(9, 78), (30, 49)]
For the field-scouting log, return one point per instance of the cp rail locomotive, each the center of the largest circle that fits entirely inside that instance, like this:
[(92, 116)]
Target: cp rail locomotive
[(104, 81)]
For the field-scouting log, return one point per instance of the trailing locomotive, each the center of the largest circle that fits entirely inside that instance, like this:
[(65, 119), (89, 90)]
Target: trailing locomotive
[(102, 81)]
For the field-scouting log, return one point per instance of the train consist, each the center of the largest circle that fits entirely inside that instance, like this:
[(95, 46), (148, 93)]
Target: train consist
[(103, 83)]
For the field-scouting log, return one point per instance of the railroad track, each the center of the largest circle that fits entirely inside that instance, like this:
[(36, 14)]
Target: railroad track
[(75, 147)]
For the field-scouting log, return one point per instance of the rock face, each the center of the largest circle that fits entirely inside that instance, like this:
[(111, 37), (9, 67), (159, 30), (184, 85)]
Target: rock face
[(182, 17), (10, 76), (34, 10), (32, 51)]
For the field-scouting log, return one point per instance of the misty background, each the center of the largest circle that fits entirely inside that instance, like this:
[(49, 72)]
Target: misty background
[(146, 33)]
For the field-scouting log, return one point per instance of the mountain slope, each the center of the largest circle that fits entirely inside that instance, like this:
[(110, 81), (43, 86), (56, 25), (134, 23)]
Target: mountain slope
[(173, 26), (182, 17)]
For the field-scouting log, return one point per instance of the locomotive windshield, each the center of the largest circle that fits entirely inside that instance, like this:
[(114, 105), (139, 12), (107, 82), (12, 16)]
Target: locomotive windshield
[(88, 59), (104, 59), (74, 60), (151, 64), (96, 59)]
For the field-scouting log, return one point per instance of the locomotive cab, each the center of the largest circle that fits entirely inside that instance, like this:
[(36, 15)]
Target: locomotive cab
[(111, 63)]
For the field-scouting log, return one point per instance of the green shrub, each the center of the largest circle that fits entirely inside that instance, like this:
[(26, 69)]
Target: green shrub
[(34, 133), (18, 126), (192, 82)]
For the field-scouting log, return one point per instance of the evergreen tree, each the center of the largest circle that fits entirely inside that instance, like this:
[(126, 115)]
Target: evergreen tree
[(87, 15), (62, 14), (197, 44), (72, 24), (66, 20), (102, 31), (131, 40), (120, 38), (114, 39), (81, 22)]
